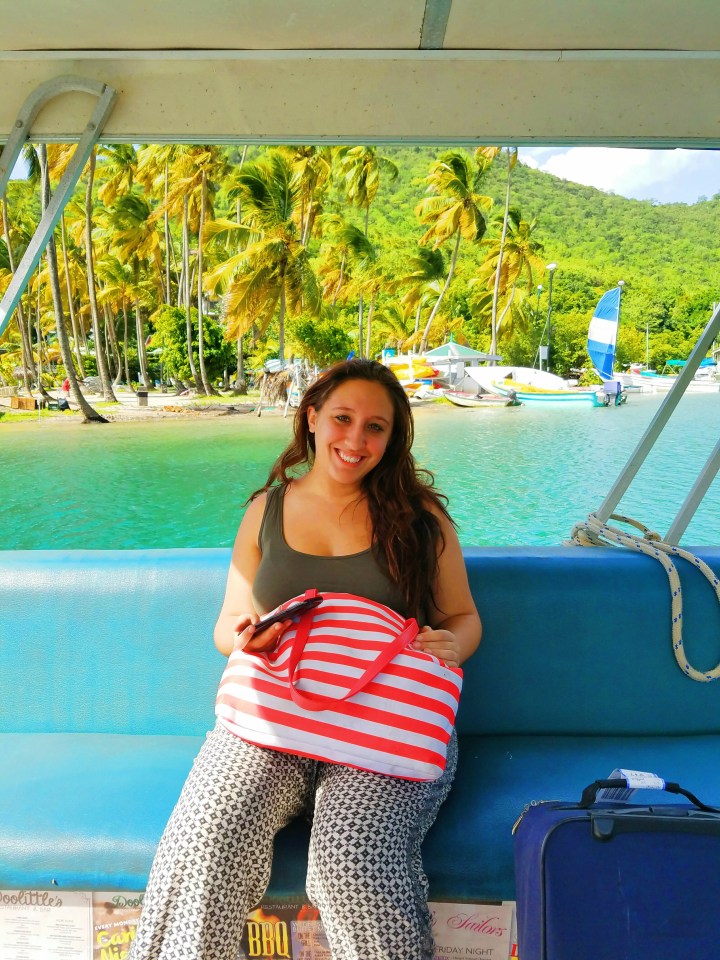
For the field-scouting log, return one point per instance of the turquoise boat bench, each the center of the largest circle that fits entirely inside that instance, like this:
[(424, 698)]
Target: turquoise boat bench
[(108, 675)]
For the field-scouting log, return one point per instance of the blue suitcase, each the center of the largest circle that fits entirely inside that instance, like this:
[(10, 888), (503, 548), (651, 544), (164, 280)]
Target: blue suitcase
[(602, 880)]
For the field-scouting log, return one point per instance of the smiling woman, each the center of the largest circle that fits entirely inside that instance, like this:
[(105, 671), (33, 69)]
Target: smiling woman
[(346, 514)]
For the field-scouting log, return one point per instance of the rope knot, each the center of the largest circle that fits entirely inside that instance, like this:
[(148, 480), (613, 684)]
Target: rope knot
[(594, 533)]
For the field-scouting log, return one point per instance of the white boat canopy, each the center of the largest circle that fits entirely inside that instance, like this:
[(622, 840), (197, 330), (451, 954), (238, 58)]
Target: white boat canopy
[(562, 71)]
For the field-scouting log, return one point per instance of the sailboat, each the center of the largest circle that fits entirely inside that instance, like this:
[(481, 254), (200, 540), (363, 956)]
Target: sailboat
[(602, 337), (601, 343)]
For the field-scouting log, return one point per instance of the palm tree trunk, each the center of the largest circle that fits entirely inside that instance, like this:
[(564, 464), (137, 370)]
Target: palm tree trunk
[(88, 412), (142, 356), (451, 271), (38, 339), (206, 387), (281, 322), (125, 340), (240, 381), (371, 310), (71, 304), (186, 286), (102, 367), (360, 326), (496, 291), (505, 309), (340, 279), (112, 336), (166, 223), (25, 342)]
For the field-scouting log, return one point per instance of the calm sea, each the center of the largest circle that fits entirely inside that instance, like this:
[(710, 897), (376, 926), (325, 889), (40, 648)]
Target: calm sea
[(513, 476)]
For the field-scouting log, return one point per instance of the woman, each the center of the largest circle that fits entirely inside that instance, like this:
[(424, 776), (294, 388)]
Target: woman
[(345, 509)]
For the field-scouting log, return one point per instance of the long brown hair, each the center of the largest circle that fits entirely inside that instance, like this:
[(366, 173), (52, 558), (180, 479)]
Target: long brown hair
[(407, 538)]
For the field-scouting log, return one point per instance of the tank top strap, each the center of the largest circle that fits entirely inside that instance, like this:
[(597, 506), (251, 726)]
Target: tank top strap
[(271, 527)]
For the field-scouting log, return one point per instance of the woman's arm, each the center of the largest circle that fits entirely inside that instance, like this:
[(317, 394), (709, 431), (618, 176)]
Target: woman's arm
[(455, 629), (234, 625)]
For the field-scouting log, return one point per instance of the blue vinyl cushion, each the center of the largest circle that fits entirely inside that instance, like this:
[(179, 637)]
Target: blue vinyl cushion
[(108, 675), (86, 811)]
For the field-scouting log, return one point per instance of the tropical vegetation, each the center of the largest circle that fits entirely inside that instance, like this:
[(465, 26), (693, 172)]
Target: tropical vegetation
[(192, 264)]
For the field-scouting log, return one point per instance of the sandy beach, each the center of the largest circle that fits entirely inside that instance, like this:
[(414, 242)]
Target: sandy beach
[(159, 405)]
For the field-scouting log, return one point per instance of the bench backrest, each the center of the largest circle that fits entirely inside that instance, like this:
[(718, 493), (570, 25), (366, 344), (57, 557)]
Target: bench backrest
[(575, 641)]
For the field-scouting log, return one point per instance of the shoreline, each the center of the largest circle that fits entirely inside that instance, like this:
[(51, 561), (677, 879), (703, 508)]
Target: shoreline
[(162, 406)]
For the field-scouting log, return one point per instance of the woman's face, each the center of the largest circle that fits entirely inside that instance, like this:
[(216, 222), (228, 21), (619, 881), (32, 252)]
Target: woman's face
[(352, 430)]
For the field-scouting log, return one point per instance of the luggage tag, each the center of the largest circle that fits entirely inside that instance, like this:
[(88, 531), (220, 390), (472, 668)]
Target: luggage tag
[(635, 780)]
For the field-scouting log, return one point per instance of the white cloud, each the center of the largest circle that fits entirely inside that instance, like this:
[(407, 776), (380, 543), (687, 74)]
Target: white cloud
[(667, 176)]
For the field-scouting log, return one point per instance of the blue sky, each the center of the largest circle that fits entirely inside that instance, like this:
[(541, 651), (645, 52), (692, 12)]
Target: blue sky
[(666, 176)]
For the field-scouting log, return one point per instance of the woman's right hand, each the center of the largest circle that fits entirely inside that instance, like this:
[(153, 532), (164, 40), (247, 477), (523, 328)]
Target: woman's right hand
[(247, 639)]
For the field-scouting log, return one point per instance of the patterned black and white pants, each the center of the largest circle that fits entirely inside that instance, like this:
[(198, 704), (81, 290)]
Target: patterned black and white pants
[(365, 871)]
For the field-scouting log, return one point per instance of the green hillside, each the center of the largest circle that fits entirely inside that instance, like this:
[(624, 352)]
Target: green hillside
[(287, 264), (668, 255)]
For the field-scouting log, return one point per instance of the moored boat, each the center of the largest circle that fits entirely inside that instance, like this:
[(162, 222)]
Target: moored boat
[(530, 394), (649, 381), (464, 399)]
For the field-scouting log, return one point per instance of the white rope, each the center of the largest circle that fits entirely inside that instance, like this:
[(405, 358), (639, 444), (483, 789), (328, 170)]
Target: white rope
[(593, 533)]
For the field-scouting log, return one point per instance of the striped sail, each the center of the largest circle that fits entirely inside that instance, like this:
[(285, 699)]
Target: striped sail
[(602, 333)]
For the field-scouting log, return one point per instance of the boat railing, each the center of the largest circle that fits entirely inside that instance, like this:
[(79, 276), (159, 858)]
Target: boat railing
[(649, 438), (20, 133)]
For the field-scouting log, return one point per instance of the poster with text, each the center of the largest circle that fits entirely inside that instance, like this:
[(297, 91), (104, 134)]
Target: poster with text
[(45, 924), (466, 931), (115, 917), (269, 933), (513, 934)]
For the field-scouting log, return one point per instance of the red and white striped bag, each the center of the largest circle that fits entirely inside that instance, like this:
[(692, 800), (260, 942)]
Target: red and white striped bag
[(344, 686)]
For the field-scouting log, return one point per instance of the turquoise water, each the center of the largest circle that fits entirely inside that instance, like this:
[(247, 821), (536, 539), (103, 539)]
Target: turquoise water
[(513, 476)]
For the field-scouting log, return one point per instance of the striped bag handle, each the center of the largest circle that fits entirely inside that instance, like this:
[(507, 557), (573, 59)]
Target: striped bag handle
[(316, 701)]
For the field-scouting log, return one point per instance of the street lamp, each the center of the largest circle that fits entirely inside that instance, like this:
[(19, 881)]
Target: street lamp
[(551, 267), (536, 325)]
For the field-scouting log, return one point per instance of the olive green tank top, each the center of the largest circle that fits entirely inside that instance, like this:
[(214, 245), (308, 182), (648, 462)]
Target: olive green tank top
[(284, 573)]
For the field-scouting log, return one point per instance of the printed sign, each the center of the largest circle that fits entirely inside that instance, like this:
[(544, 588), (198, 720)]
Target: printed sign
[(42, 923), (466, 931), (115, 917)]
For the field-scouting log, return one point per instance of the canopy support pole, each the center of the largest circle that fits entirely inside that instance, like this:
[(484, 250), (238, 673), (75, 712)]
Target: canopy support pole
[(19, 135), (695, 497), (656, 427)]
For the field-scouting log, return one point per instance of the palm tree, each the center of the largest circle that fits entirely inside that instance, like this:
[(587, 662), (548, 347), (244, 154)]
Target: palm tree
[(361, 169), (347, 246), (118, 168), (512, 156), (194, 171), (312, 167), (102, 366), (511, 258), (454, 211), (427, 271), (88, 412), (118, 291), (9, 235), (395, 323), (273, 271), (77, 329), (131, 234), (153, 172), (369, 280)]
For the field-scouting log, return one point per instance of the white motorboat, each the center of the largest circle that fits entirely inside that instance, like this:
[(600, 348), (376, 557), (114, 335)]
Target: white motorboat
[(462, 398)]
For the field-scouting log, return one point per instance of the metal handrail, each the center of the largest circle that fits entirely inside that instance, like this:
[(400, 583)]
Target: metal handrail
[(87, 142), (657, 424)]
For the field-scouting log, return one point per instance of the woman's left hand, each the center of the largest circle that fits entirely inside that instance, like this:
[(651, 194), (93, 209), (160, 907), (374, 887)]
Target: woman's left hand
[(440, 643)]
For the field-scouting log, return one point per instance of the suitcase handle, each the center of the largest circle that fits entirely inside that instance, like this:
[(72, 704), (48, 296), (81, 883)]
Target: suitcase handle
[(589, 794)]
